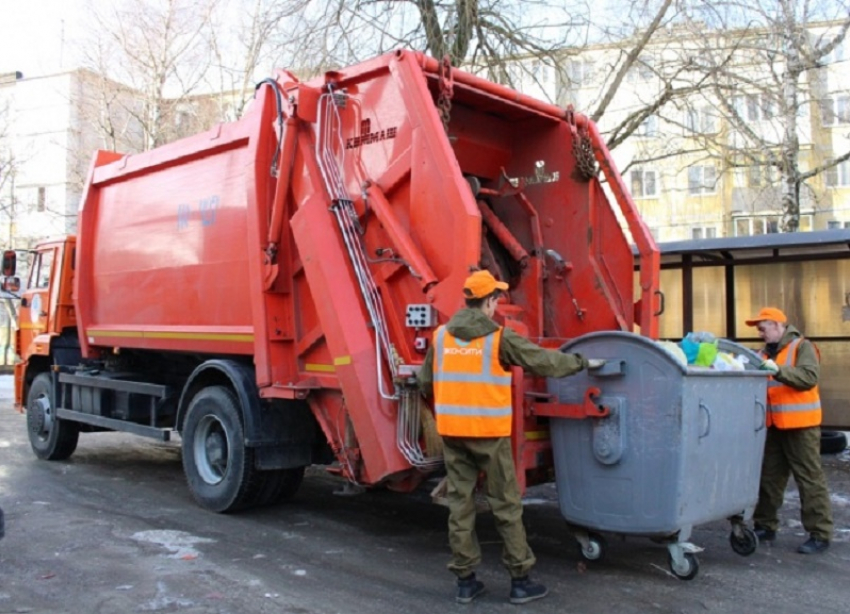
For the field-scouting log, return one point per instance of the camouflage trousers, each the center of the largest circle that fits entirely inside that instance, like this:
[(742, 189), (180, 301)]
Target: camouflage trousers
[(794, 452), (465, 459)]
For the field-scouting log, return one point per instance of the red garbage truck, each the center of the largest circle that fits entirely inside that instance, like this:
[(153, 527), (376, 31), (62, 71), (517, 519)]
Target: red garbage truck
[(267, 288)]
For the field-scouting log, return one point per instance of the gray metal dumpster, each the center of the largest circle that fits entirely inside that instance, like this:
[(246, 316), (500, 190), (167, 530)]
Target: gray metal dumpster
[(680, 446)]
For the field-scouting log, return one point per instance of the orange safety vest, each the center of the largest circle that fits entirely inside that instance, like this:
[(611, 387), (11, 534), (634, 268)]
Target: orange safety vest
[(789, 408), (472, 391)]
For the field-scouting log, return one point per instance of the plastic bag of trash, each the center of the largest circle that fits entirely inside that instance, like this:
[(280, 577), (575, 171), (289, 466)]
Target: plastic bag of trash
[(728, 362), (674, 349), (700, 348)]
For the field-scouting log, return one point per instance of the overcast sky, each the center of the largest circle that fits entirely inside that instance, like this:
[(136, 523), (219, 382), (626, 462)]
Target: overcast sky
[(32, 33)]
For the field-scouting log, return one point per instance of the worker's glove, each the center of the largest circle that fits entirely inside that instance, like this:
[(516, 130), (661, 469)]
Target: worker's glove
[(595, 363), (770, 366)]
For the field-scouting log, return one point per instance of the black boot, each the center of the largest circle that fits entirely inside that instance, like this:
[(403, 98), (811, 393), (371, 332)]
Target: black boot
[(813, 546), (468, 588), (524, 590)]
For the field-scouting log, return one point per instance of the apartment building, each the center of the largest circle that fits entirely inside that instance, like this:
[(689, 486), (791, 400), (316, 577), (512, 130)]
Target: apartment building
[(40, 156), (712, 121), (51, 125)]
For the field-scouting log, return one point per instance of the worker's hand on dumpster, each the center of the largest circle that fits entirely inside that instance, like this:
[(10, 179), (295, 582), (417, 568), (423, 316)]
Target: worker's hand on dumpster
[(769, 365), (595, 363)]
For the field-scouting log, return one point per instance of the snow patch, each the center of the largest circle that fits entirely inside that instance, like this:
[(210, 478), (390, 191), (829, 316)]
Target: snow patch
[(840, 500), (163, 601), (179, 543)]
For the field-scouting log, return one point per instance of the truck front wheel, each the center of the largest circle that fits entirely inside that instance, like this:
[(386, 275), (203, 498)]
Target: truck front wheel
[(219, 468), (50, 437)]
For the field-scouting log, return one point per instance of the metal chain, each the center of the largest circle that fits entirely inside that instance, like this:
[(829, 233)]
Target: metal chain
[(585, 160), (444, 97), (586, 168)]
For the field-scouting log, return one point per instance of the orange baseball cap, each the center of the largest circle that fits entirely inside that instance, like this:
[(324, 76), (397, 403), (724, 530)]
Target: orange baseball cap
[(767, 313), (481, 284)]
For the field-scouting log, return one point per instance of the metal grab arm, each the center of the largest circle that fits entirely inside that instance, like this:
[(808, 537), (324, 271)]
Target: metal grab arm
[(589, 408)]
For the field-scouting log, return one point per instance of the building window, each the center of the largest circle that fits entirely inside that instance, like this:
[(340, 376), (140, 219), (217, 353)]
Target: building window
[(642, 70), (643, 183), (645, 67), (834, 56), (580, 71), (751, 226), (746, 226), (838, 176), (762, 175), (540, 72), (649, 126), (707, 232), (835, 111), (754, 107), (701, 120), (768, 107), (702, 180)]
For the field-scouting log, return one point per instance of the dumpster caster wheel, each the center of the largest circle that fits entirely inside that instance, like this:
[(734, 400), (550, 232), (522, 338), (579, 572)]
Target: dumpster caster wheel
[(689, 568), (746, 544), (595, 548)]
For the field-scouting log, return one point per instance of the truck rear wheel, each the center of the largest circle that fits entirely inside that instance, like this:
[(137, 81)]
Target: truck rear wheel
[(279, 485), (50, 437), (219, 468)]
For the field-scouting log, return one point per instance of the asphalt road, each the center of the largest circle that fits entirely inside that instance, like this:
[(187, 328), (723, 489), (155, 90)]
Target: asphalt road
[(114, 530)]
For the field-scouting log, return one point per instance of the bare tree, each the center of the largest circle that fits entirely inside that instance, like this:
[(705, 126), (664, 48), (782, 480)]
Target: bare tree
[(8, 210), (484, 34), (775, 91), (166, 50), (160, 51), (247, 37), (507, 41), (8, 164)]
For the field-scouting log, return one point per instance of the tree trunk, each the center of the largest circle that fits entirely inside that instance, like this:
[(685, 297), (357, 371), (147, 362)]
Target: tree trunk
[(791, 144)]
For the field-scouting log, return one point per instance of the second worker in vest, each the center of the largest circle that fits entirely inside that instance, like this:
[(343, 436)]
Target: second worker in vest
[(467, 370), (792, 446)]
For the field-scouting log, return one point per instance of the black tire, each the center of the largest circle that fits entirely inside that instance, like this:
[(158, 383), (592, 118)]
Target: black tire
[(279, 485), (690, 569), (832, 442), (746, 544), (219, 468), (50, 437)]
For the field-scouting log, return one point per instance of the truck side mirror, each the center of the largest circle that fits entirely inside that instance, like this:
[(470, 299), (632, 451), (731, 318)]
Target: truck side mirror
[(10, 263), (11, 284)]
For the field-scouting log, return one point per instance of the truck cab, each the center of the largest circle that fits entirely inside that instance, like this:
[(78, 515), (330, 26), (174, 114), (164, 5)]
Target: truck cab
[(46, 317)]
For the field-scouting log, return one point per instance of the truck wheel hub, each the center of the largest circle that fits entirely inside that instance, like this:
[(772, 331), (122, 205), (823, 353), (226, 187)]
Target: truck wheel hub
[(39, 416), (211, 453)]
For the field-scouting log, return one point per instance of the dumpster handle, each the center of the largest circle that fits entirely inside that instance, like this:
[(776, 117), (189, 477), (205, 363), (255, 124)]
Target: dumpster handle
[(660, 296), (763, 415), (704, 407)]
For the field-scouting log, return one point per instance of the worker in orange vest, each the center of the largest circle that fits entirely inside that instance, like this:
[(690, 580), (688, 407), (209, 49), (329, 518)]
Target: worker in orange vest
[(467, 369), (792, 446)]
